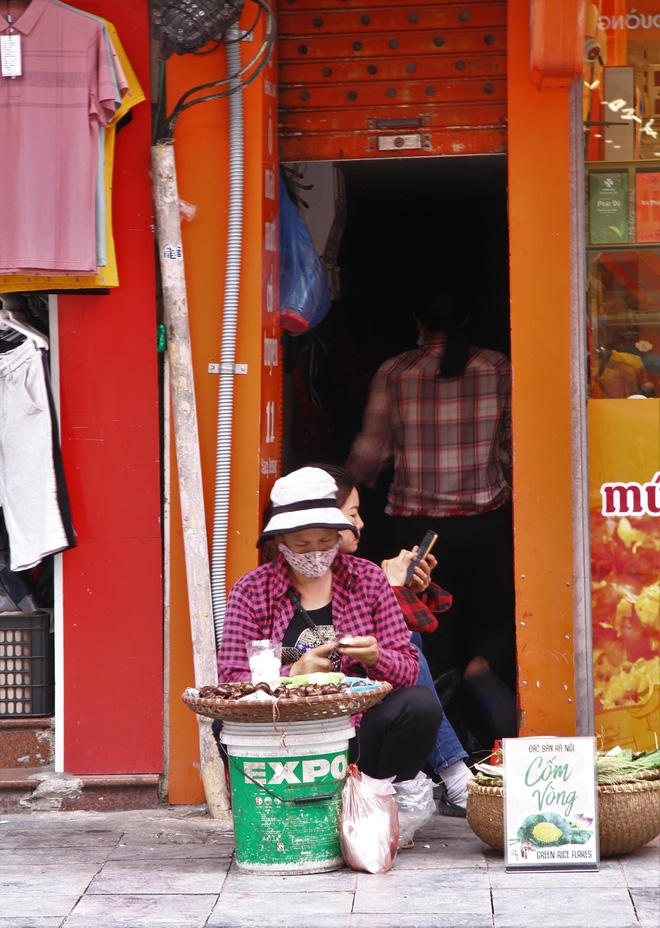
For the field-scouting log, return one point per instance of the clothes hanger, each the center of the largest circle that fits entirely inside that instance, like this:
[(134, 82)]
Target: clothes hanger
[(8, 319)]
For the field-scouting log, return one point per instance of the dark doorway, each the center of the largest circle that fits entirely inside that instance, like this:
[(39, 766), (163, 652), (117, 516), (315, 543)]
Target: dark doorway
[(411, 224)]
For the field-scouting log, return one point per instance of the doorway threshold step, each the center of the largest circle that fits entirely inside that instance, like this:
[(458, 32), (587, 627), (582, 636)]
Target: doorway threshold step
[(40, 789), (26, 742)]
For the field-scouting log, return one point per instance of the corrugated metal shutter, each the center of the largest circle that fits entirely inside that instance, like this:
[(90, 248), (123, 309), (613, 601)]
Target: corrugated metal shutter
[(368, 78)]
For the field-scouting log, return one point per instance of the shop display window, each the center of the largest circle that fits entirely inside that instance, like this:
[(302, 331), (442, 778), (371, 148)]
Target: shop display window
[(621, 111), (623, 280)]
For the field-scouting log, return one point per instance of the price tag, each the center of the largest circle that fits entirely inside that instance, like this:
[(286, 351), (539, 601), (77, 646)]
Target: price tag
[(10, 52)]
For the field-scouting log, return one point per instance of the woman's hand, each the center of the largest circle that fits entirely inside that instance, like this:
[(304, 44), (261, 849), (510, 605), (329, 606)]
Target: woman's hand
[(422, 576), (315, 660), (363, 649), (396, 568)]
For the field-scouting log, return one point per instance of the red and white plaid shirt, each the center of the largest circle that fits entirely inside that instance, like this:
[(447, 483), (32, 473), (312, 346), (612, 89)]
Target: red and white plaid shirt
[(363, 603), (449, 440)]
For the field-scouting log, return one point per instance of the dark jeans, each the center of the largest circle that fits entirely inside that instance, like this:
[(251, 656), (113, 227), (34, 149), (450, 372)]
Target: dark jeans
[(475, 564), (397, 735)]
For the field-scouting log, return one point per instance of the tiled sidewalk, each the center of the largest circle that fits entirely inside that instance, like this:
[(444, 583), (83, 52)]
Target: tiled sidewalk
[(174, 867)]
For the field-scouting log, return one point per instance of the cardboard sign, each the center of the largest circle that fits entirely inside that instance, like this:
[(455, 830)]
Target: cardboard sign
[(550, 804)]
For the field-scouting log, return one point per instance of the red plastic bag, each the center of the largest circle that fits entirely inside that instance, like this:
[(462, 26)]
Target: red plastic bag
[(368, 823)]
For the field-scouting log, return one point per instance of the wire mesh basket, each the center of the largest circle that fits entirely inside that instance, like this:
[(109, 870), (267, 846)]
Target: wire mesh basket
[(288, 708)]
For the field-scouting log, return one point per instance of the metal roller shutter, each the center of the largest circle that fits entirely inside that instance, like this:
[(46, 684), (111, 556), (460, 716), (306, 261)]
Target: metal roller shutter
[(368, 78)]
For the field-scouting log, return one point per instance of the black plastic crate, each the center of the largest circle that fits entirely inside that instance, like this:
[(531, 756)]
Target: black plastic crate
[(26, 664)]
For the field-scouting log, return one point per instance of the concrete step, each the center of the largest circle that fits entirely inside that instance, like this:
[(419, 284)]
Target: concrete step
[(40, 789), (26, 742)]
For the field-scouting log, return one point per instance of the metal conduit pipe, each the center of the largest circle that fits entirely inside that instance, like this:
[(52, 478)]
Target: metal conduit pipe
[(229, 327)]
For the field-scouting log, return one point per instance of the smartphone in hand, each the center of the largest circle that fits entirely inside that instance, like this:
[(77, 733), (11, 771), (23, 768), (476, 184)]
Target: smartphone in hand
[(425, 547)]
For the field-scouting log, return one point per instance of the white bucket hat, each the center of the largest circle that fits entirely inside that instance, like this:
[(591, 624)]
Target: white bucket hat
[(306, 498)]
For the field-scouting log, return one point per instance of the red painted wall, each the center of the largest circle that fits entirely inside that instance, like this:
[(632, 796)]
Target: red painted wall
[(113, 665)]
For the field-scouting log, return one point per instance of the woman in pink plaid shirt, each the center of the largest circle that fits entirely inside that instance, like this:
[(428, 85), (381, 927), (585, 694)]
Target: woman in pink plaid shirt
[(332, 610)]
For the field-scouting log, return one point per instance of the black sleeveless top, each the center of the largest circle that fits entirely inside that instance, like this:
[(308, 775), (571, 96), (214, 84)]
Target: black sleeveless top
[(302, 635)]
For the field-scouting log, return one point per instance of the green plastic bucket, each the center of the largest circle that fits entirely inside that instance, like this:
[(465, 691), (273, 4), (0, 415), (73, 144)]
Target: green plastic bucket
[(268, 769)]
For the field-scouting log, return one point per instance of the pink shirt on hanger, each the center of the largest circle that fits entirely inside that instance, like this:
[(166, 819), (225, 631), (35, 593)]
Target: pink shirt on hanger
[(49, 124)]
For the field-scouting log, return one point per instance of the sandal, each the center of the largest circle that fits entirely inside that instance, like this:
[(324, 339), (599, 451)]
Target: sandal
[(444, 803)]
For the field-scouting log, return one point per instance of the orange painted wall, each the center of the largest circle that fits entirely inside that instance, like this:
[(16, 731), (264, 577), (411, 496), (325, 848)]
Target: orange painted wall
[(540, 213), (539, 229), (201, 151)]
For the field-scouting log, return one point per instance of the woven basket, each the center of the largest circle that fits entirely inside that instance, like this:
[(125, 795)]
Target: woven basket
[(628, 813), (301, 709)]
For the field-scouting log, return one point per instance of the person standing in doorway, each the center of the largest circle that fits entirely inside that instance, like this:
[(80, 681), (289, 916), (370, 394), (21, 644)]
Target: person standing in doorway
[(440, 415)]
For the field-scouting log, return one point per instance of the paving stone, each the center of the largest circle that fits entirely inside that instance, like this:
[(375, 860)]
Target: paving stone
[(334, 881), (27, 905), (610, 875), (224, 918), (62, 857), (36, 922), (166, 836), (447, 827), (214, 851), (439, 920), (562, 908), (59, 836), (52, 879), (304, 909), (464, 892), (647, 905), (141, 912), (642, 868), (180, 875), (435, 854)]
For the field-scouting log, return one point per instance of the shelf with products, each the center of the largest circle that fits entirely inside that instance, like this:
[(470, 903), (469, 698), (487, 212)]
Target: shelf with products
[(623, 278), (623, 203), (623, 305)]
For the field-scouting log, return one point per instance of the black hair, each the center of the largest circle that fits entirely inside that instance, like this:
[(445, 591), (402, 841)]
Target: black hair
[(269, 550), (446, 312), (342, 477)]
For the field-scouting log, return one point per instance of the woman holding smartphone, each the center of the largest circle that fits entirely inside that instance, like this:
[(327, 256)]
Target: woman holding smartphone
[(331, 609), (416, 595)]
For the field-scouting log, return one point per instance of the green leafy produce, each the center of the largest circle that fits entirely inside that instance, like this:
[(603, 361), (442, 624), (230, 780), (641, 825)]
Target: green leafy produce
[(550, 830), (304, 679), (325, 678), (611, 767)]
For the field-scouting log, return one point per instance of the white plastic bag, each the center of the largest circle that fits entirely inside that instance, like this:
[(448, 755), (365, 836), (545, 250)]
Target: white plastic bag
[(368, 823), (414, 799)]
